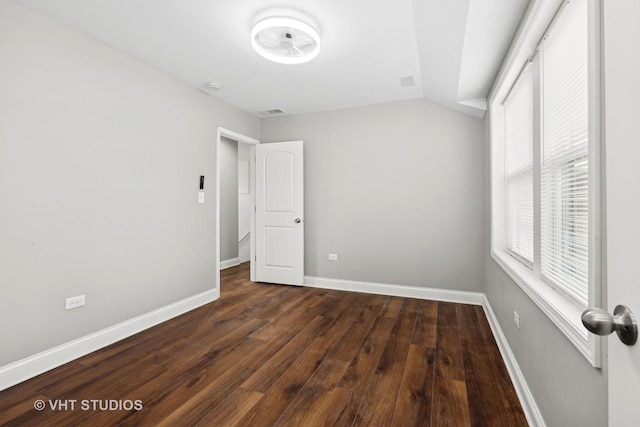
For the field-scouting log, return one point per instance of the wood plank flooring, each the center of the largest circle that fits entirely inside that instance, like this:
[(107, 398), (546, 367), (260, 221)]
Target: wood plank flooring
[(271, 355)]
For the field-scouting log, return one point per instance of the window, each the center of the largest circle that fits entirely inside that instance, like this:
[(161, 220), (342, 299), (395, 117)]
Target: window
[(518, 168), (564, 155), (544, 120)]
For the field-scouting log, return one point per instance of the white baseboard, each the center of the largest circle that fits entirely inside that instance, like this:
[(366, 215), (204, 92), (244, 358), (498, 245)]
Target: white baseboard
[(31, 366), (462, 297), (529, 406), (228, 263)]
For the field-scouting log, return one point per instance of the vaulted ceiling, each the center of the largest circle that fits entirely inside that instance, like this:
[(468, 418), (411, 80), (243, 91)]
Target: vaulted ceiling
[(451, 48)]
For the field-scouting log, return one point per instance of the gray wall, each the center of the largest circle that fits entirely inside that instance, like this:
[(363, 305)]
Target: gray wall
[(566, 388), (395, 190), (228, 199), (100, 157)]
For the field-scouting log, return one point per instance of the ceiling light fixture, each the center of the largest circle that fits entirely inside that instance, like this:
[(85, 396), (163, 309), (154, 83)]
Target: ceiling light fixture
[(285, 40)]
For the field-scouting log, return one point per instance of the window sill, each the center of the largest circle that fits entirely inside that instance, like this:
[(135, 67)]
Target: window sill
[(558, 308)]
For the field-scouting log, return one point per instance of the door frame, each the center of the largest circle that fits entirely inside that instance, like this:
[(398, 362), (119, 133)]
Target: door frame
[(252, 142)]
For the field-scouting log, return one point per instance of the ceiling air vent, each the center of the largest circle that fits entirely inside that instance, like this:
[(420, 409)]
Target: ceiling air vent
[(272, 112), (407, 81)]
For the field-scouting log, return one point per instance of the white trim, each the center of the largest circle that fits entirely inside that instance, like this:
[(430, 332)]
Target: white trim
[(252, 169), (228, 263), (31, 366), (559, 309), (541, 14), (245, 238), (529, 406), (446, 295), (244, 249), (534, 25)]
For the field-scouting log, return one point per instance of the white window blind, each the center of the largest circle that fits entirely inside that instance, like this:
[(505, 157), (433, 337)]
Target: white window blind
[(564, 180), (518, 124)]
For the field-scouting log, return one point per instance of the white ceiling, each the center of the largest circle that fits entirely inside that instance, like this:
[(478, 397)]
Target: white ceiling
[(452, 48)]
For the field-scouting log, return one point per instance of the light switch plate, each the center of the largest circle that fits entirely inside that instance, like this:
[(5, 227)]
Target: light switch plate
[(200, 196)]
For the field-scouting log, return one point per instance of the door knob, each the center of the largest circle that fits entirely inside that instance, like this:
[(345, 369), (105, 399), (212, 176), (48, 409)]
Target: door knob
[(297, 220), (599, 322)]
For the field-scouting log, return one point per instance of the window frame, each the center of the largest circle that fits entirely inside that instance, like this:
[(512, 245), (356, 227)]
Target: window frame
[(539, 20)]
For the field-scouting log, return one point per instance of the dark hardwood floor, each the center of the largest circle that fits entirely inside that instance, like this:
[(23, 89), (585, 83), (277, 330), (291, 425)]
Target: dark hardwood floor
[(266, 355)]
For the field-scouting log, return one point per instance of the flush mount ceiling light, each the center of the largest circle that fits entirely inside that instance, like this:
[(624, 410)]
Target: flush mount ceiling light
[(285, 40)]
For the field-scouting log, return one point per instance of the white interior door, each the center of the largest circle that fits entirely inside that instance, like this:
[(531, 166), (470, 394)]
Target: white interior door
[(279, 240), (622, 92)]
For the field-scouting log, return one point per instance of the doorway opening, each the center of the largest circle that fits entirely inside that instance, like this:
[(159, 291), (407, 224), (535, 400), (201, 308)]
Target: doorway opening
[(235, 201)]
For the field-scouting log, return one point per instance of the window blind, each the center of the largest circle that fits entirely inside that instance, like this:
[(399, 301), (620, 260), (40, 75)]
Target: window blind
[(564, 179), (518, 122)]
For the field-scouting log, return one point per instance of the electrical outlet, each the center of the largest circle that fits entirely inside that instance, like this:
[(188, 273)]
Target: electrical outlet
[(516, 319), (74, 302), (333, 257)]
